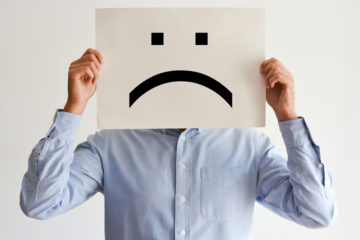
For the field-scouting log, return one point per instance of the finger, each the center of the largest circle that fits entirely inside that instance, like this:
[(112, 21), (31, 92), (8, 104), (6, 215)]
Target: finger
[(98, 55), (275, 71), (269, 73), (94, 70), (90, 65), (284, 75), (273, 80), (89, 73), (88, 58), (268, 76), (81, 71), (279, 78), (83, 62), (273, 64), (265, 63), (79, 65)]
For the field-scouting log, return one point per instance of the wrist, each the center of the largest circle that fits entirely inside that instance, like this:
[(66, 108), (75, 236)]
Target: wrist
[(286, 116), (74, 108)]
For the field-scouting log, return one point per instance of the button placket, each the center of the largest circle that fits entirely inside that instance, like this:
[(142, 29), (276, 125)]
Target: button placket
[(182, 215)]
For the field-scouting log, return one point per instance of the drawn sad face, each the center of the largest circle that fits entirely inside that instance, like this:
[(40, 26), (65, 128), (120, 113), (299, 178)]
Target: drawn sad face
[(201, 38), (181, 67)]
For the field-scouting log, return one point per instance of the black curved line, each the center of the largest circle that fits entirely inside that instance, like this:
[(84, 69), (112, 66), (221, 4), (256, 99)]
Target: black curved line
[(177, 76)]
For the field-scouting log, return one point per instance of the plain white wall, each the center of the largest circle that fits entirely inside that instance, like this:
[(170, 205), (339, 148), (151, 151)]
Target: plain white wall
[(318, 40)]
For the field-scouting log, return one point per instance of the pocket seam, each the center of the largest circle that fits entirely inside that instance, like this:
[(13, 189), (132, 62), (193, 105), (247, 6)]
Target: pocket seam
[(204, 214)]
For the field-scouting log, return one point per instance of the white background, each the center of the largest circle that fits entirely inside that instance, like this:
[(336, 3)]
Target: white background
[(317, 40)]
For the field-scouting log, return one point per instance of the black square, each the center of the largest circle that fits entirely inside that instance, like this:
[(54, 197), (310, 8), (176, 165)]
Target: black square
[(157, 38), (201, 38)]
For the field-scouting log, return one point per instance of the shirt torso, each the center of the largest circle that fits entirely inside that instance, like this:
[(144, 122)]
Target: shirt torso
[(199, 184)]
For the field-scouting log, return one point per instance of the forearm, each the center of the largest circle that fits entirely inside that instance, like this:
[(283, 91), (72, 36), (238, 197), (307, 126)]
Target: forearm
[(55, 181), (310, 181), (49, 166), (297, 187)]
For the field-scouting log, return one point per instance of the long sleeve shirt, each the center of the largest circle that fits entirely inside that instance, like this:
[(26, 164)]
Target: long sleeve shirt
[(199, 184)]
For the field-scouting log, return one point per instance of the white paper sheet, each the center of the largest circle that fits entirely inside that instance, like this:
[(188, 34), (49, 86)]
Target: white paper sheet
[(180, 84)]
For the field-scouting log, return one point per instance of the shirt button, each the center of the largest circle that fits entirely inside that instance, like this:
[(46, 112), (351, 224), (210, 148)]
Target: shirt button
[(40, 158), (183, 232), (183, 166), (182, 199), (320, 165)]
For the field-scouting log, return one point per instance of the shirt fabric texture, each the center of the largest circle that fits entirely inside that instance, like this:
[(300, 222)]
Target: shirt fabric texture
[(163, 184)]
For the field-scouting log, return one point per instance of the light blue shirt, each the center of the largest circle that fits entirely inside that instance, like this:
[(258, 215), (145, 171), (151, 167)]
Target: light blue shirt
[(162, 184)]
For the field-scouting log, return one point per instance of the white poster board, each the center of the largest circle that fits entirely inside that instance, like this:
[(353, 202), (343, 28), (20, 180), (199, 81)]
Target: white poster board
[(181, 67)]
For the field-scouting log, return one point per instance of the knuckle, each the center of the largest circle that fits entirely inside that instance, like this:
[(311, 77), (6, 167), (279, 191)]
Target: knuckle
[(92, 56)]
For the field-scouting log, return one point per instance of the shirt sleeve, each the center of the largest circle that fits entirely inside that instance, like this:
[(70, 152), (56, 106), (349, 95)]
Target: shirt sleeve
[(58, 178), (299, 188)]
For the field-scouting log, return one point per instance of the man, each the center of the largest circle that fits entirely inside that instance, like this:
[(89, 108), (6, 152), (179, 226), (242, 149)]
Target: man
[(179, 183)]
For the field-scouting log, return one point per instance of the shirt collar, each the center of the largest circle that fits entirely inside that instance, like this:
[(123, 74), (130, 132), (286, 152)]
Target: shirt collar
[(194, 129), (175, 131)]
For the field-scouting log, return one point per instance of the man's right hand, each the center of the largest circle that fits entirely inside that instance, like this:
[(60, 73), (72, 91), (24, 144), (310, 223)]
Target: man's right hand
[(82, 80)]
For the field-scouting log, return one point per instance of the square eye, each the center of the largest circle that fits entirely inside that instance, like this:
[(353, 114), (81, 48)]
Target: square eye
[(201, 38), (157, 38)]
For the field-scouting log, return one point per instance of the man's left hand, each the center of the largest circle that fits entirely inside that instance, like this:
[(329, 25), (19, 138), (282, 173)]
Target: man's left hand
[(280, 90)]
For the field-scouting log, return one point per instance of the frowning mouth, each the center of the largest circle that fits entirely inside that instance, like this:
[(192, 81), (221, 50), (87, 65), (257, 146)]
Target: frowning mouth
[(180, 76)]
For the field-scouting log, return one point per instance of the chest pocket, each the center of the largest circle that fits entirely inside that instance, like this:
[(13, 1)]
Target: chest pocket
[(225, 193)]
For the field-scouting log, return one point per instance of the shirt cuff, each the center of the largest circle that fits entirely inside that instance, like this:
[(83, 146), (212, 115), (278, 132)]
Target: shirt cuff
[(296, 133), (64, 124)]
